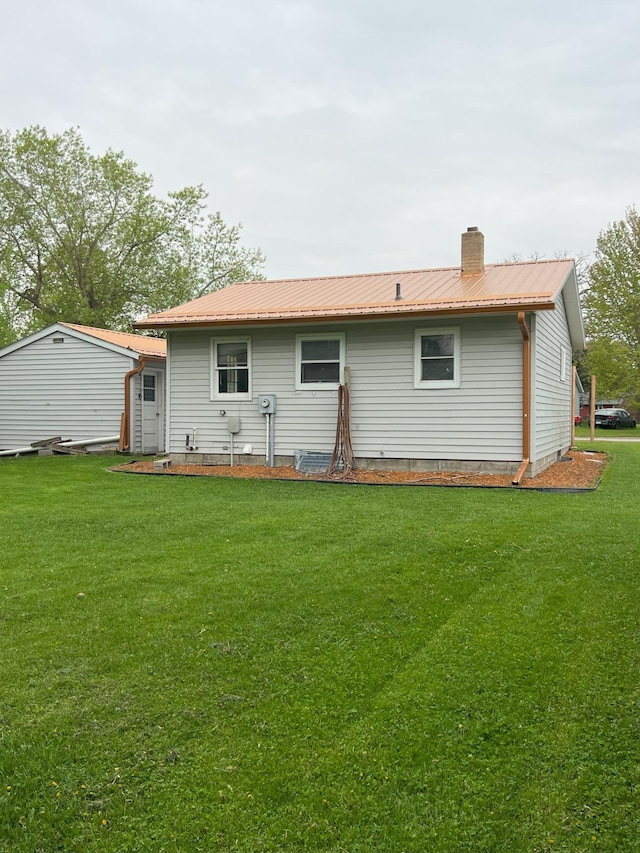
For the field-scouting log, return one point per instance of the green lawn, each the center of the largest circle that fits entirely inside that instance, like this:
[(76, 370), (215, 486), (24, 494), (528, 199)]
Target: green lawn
[(285, 666), (583, 431)]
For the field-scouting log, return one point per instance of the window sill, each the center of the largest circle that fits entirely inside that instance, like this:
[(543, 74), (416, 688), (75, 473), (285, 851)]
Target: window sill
[(445, 385), (230, 398), (318, 386)]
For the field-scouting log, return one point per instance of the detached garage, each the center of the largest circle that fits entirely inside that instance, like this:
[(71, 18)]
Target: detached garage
[(82, 383)]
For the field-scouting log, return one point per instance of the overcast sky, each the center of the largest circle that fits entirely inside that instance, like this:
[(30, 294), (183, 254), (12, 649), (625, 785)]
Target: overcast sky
[(351, 135)]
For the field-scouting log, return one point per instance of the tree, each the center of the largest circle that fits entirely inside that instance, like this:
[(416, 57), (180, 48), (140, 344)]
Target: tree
[(204, 254), (612, 310), (83, 239)]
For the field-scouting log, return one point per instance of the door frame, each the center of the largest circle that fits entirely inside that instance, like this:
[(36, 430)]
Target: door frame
[(159, 375)]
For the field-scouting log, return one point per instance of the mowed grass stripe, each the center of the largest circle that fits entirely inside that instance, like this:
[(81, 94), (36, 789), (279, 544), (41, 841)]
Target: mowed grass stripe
[(285, 666)]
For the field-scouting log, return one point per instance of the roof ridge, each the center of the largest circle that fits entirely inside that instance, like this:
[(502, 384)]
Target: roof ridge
[(102, 329), (347, 275), (413, 271), (532, 262)]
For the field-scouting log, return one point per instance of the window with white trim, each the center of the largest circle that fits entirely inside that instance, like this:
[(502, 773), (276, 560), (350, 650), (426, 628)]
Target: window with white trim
[(319, 360), (231, 368), (437, 358), (149, 387)]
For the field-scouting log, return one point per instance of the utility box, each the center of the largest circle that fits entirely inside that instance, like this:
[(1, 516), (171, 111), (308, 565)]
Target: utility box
[(234, 425), (267, 403)]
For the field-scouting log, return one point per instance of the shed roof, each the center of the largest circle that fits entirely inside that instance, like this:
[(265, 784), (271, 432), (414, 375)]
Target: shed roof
[(126, 344), (141, 344), (522, 286)]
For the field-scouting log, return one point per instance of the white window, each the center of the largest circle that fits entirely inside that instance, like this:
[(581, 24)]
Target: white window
[(319, 361), (149, 387), (437, 358), (565, 364), (231, 368)]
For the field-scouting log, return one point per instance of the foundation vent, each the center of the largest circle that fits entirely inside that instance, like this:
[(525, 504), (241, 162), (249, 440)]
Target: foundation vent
[(311, 461)]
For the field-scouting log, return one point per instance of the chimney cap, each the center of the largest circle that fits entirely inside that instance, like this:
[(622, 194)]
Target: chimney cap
[(473, 228)]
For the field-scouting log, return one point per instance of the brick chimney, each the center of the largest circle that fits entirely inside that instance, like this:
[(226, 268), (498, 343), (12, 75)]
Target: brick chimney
[(472, 251)]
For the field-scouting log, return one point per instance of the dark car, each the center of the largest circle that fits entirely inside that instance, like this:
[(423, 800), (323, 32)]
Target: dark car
[(614, 419)]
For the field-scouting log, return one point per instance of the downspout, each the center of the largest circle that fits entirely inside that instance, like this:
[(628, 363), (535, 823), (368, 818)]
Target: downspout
[(125, 420), (526, 397)]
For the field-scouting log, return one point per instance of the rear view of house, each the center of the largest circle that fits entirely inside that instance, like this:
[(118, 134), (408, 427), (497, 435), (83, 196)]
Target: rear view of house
[(83, 383), (463, 368)]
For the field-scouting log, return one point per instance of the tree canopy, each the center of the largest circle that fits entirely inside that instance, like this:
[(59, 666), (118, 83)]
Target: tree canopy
[(612, 310), (83, 238)]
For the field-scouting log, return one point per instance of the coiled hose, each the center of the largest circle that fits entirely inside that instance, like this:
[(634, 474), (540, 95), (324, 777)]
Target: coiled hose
[(342, 463)]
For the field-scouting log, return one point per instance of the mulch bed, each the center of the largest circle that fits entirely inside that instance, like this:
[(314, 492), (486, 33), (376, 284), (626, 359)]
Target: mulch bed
[(580, 470)]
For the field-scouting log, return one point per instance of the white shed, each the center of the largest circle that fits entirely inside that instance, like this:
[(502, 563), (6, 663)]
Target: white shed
[(79, 382)]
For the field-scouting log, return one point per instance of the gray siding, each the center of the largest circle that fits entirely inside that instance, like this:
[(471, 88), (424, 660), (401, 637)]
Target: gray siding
[(73, 389), (551, 395), (480, 420)]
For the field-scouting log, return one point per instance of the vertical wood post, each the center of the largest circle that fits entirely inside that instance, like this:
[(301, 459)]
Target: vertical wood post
[(592, 409), (573, 405)]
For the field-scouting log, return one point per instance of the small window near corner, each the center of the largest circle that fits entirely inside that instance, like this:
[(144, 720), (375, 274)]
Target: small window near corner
[(319, 361), (231, 368), (437, 358), (149, 387)]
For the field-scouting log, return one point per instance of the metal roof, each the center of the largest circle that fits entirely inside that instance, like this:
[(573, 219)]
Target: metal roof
[(530, 285), (141, 344)]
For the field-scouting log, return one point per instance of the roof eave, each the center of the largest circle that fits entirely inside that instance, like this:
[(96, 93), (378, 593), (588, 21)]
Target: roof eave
[(571, 293), (338, 317)]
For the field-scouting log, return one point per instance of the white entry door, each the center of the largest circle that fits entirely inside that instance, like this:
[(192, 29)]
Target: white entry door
[(152, 411)]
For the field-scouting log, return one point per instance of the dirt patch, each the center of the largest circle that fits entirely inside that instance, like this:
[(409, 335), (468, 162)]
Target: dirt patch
[(580, 470)]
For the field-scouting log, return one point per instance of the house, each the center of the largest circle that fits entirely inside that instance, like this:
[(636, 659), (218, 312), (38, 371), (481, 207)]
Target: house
[(464, 368), (79, 383)]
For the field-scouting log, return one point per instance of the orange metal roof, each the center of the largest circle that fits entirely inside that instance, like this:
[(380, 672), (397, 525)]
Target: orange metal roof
[(142, 344), (529, 285)]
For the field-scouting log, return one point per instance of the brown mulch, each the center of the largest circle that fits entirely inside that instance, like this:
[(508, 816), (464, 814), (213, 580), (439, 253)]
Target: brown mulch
[(581, 470)]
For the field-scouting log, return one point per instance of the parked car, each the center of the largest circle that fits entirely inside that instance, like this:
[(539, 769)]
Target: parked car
[(614, 419)]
